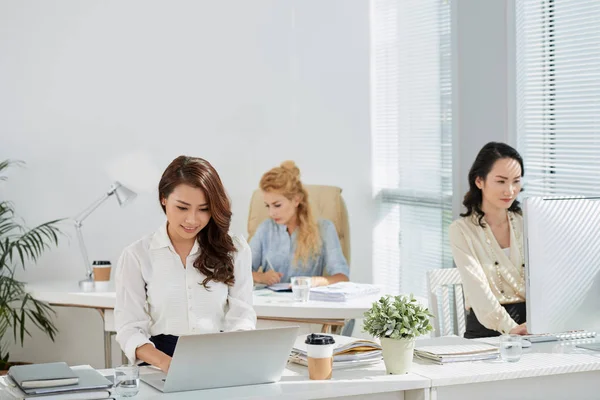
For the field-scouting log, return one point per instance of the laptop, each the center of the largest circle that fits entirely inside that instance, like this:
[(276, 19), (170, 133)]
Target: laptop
[(217, 360)]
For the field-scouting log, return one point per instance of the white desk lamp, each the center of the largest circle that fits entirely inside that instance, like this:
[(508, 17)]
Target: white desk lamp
[(124, 196)]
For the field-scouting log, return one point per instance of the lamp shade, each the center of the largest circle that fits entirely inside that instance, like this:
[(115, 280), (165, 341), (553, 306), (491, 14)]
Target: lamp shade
[(123, 194)]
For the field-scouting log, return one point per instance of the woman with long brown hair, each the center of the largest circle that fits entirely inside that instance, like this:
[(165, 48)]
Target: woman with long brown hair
[(188, 277), (291, 242)]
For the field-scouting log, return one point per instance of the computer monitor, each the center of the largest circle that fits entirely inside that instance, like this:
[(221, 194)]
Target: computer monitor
[(562, 264)]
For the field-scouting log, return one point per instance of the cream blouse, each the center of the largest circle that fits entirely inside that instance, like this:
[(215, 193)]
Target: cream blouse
[(486, 285)]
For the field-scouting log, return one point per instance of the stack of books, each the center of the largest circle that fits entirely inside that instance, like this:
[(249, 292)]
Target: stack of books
[(342, 291), (453, 349), (348, 352), (54, 381)]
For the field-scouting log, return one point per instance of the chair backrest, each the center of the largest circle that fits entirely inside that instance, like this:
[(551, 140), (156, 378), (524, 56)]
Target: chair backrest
[(326, 203), (446, 301)]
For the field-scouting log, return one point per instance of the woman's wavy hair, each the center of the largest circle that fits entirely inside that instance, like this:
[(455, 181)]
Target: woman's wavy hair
[(285, 180), (216, 245), (484, 162)]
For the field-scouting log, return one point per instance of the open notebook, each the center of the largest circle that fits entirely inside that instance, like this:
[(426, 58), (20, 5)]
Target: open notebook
[(454, 349), (348, 352)]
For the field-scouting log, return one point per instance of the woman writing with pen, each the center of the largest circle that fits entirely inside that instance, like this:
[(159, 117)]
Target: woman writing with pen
[(291, 242)]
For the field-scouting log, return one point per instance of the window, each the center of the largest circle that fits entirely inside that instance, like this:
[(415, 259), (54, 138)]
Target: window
[(412, 141), (558, 95)]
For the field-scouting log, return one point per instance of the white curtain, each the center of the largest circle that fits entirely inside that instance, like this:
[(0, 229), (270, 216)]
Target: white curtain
[(558, 95), (412, 141)]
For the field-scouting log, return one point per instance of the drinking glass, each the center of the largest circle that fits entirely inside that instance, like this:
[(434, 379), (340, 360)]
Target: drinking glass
[(511, 347), (127, 380), (301, 288)]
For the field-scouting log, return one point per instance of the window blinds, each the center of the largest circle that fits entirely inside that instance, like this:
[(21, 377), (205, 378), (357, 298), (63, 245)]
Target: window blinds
[(558, 95), (411, 137)]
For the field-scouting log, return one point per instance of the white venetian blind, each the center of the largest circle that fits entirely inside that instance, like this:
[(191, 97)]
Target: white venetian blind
[(558, 95), (411, 136)]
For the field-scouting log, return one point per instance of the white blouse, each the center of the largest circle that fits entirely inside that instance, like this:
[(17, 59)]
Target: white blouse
[(156, 295), (486, 285)]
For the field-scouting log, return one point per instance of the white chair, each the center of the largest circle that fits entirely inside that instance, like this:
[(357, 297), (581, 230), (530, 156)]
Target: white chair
[(449, 315)]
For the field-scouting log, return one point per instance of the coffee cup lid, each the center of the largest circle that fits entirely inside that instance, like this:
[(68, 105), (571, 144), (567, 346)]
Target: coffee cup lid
[(101, 262), (316, 339)]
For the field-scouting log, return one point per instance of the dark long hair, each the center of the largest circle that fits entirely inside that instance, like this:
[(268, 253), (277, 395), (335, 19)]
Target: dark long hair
[(216, 256), (488, 155)]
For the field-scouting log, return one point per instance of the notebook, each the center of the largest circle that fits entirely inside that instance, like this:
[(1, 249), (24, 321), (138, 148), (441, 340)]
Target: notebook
[(348, 352), (43, 375), (454, 349), (280, 287), (89, 379), (10, 390)]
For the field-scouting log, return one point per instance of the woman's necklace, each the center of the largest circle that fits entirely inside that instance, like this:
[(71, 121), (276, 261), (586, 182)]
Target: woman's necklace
[(499, 282)]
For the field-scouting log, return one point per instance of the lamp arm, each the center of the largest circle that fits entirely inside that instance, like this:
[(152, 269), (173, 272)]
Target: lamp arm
[(78, 220), (88, 268), (85, 213)]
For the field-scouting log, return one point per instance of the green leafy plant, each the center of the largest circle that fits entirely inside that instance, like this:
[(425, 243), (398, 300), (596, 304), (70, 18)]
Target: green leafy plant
[(397, 317), (18, 246)]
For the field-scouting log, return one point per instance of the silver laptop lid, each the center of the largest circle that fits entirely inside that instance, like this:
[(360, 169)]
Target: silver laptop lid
[(230, 359)]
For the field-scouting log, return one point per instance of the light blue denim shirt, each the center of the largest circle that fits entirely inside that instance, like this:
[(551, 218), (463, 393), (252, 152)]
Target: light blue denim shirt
[(273, 243)]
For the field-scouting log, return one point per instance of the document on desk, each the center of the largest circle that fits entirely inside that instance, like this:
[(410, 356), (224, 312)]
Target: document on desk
[(343, 291), (348, 352), (454, 349)]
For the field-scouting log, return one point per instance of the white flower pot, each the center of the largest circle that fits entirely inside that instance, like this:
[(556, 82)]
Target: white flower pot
[(397, 355)]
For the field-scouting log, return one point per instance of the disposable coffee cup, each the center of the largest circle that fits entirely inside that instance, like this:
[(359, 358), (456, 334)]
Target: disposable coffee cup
[(320, 356), (101, 275)]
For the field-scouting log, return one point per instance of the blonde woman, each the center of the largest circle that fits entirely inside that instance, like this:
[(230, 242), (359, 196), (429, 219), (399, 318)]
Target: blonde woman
[(291, 242)]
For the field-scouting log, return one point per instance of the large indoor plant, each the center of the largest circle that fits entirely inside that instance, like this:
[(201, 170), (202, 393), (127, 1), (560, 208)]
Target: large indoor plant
[(397, 321), (20, 245)]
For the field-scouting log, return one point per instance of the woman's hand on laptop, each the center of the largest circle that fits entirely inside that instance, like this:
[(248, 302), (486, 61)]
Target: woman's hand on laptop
[(165, 364), (519, 329), (153, 356)]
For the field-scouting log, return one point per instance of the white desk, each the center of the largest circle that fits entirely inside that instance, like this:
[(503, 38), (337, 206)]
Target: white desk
[(367, 383), (546, 371), (553, 370), (267, 304)]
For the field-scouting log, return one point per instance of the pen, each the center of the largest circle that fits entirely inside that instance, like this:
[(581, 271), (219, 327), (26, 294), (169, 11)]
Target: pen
[(269, 265)]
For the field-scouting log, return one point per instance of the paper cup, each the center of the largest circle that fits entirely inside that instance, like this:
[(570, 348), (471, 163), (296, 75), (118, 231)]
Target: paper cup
[(101, 271), (319, 350)]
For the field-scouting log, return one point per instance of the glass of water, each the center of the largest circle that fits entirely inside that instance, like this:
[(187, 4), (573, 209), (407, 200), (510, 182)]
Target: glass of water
[(127, 380), (511, 347), (301, 288)]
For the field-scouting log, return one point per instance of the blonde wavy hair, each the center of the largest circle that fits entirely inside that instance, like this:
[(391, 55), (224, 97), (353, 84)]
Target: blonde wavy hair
[(285, 180)]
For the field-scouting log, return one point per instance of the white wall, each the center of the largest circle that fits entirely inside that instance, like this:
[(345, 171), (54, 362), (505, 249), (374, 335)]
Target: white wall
[(483, 82), (97, 91)]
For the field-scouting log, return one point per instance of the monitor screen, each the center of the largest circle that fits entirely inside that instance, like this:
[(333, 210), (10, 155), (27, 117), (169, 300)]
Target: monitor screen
[(562, 264)]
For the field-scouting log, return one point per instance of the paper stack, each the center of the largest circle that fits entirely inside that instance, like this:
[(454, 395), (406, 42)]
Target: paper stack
[(348, 352), (342, 291), (47, 382), (453, 349)]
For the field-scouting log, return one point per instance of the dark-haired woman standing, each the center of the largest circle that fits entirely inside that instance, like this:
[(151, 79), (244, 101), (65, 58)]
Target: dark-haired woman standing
[(487, 244), (188, 277)]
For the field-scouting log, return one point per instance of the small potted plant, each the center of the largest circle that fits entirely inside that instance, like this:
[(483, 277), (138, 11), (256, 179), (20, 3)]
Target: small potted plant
[(397, 321)]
